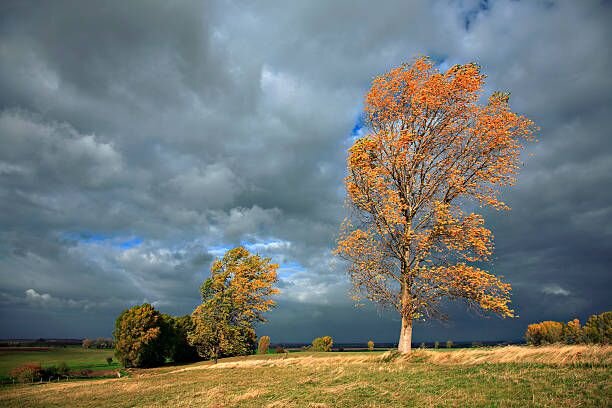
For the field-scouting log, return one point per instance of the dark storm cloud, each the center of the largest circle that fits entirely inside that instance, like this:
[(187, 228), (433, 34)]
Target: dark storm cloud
[(141, 139)]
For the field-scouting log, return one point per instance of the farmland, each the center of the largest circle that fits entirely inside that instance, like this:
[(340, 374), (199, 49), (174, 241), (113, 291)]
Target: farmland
[(504, 376), (76, 357)]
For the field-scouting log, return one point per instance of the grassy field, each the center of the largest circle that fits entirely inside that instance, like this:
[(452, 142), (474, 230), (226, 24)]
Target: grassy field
[(77, 358), (555, 376)]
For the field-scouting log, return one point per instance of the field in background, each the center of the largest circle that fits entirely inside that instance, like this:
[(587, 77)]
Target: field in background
[(76, 357), (505, 377)]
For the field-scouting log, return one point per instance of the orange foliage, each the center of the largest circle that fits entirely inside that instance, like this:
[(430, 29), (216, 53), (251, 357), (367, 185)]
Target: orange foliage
[(248, 280), (431, 148), (547, 332)]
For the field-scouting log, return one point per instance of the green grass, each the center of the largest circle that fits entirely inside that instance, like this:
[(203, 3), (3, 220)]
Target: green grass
[(77, 358), (332, 380)]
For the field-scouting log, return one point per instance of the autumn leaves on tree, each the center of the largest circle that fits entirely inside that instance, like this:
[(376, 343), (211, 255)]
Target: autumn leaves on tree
[(236, 295), (432, 151)]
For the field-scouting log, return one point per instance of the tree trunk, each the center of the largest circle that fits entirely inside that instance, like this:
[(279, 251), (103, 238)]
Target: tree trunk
[(405, 341)]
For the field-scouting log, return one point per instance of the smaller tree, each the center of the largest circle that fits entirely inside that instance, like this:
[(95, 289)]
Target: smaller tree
[(324, 343), (139, 338), (264, 344), (236, 295), (87, 343), (572, 332), (437, 345), (449, 344), (370, 345), (598, 328)]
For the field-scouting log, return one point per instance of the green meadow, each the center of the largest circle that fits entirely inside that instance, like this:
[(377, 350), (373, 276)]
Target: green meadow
[(76, 357)]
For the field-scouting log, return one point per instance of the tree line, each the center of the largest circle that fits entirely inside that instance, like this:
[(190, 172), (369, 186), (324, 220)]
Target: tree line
[(99, 343), (597, 330)]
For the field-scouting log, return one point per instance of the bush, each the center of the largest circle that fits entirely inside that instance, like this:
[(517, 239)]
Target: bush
[(279, 350), (324, 343), (370, 345), (109, 360), (437, 345), (28, 372), (264, 344), (547, 332), (449, 344), (87, 343), (598, 329), (62, 369)]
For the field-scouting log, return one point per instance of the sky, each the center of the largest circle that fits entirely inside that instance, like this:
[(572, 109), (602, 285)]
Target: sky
[(140, 140)]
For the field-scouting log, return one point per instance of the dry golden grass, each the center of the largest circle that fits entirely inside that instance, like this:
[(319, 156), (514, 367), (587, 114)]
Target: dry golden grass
[(505, 377), (553, 354)]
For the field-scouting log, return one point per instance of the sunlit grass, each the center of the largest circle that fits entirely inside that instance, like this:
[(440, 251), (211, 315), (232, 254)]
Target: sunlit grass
[(348, 380)]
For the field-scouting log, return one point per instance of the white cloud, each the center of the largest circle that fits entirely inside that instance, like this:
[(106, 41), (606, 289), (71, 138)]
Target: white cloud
[(555, 289)]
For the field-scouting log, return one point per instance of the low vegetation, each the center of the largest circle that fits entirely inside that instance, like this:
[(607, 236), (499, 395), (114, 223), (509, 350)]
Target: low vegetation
[(263, 345)]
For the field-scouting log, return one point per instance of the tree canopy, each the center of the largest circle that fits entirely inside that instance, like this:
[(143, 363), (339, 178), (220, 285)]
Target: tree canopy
[(139, 337)]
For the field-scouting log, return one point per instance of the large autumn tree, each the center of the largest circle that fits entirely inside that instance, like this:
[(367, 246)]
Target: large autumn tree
[(431, 152), (236, 295)]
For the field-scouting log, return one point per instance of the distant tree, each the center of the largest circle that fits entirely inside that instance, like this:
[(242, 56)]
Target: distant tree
[(572, 332), (437, 345), (598, 328), (236, 295), (430, 148), (264, 344), (139, 337), (324, 343), (370, 345), (87, 343), (547, 332), (449, 344), (102, 343), (109, 360)]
